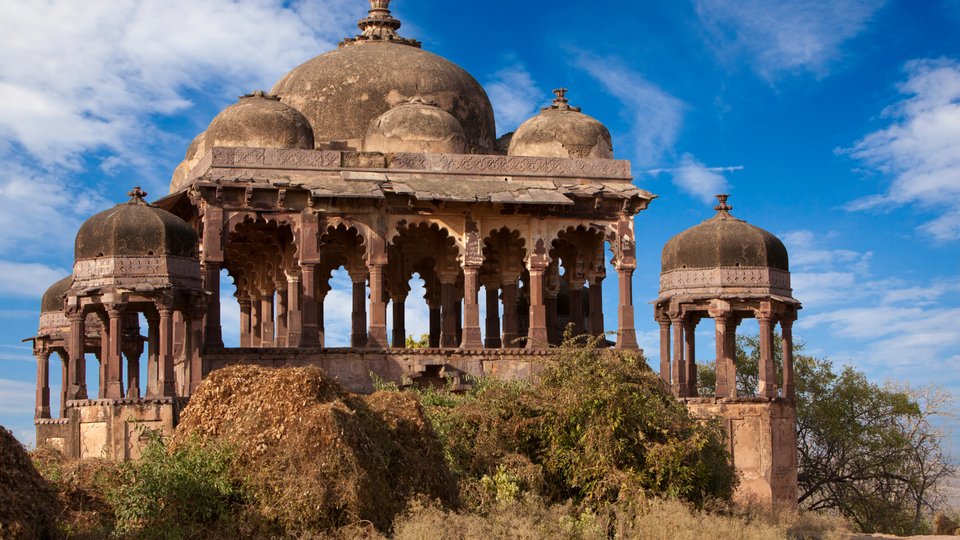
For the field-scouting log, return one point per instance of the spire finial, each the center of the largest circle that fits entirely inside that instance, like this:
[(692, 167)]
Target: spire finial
[(137, 196), (723, 208), (560, 102), (379, 25)]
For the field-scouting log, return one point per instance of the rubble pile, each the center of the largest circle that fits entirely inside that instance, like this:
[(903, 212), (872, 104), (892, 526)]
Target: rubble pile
[(313, 455), (28, 505)]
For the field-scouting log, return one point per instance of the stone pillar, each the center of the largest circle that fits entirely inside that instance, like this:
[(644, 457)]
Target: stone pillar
[(153, 354), (510, 323), (664, 349), (266, 319), (256, 319), (64, 383), (786, 331), (165, 377), (377, 338), (321, 330), (358, 336), (103, 356), (436, 322), (246, 313), (731, 355), (42, 409), (596, 305), (114, 360), (192, 349), (721, 369), (768, 376), (133, 373), (537, 331), (575, 292), (282, 329), (77, 364), (679, 365), (448, 326), (690, 354), (626, 334), (310, 331), (294, 315), (399, 322), (471, 309), (212, 333), (492, 339)]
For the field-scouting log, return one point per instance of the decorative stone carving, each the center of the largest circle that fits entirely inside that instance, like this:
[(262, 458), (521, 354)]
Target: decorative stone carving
[(759, 280)]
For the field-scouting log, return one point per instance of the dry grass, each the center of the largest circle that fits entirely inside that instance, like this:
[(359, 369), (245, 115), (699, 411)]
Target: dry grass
[(28, 504)]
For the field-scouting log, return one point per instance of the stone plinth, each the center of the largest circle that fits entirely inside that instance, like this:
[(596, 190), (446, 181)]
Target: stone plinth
[(762, 438)]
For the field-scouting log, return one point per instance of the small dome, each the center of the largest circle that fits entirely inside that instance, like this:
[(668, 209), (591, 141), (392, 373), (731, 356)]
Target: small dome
[(52, 301), (724, 241), (341, 92), (415, 126), (194, 152), (135, 229), (562, 131), (259, 120)]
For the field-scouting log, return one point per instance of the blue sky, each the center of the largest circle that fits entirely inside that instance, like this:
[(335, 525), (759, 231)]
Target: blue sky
[(834, 124)]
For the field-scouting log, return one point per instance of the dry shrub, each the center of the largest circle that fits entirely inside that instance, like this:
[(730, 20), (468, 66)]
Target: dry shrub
[(943, 525), (82, 488), (28, 504), (312, 456)]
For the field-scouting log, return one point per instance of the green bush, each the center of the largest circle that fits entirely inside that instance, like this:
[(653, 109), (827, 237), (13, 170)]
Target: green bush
[(185, 492)]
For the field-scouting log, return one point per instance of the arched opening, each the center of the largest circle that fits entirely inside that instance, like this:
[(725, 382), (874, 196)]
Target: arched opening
[(502, 277)]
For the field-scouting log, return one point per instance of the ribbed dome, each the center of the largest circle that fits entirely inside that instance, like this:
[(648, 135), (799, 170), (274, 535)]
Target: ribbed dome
[(52, 301), (135, 229), (343, 91), (724, 241), (562, 131), (259, 120), (415, 126)]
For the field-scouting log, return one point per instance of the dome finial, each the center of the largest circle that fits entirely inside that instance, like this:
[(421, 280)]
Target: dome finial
[(723, 208), (137, 196), (379, 25), (560, 102)]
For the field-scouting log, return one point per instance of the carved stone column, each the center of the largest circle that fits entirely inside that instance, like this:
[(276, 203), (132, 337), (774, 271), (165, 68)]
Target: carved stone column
[(212, 334), (731, 355), (64, 383), (575, 291), (166, 385), (768, 376), (153, 354), (448, 326), (510, 323), (786, 331), (664, 349), (399, 332), (266, 318), (722, 372), (114, 358), (436, 322), (310, 333), (246, 328), (537, 331), (626, 334), (294, 315), (282, 328), (471, 309), (192, 349), (77, 364), (321, 329), (103, 355), (690, 353), (679, 365), (256, 319), (595, 292), (377, 338), (358, 335), (42, 409), (492, 339), (133, 373)]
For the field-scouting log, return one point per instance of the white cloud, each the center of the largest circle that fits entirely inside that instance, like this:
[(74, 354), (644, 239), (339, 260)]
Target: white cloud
[(17, 398), (28, 280), (920, 149), (514, 96), (784, 36), (86, 75), (655, 117), (698, 180)]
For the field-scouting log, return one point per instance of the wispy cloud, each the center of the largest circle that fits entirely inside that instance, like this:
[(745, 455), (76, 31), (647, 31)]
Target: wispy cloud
[(655, 116), (698, 180), (28, 280), (779, 37), (920, 149), (16, 397), (514, 96)]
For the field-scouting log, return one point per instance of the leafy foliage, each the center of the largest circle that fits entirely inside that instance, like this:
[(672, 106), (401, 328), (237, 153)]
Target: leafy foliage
[(598, 423)]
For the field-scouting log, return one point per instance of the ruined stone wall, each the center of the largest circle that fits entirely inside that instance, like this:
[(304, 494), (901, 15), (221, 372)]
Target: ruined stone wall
[(763, 442)]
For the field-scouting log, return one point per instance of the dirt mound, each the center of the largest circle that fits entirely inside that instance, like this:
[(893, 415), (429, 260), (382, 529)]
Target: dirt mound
[(313, 455), (28, 505)]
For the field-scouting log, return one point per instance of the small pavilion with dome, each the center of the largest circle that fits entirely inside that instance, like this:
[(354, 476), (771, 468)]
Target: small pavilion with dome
[(379, 159)]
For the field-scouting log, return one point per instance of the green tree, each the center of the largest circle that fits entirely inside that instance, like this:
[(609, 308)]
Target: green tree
[(872, 453)]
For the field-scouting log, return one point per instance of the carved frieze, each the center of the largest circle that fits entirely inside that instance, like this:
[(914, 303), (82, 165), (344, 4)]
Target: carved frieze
[(753, 279), (157, 272)]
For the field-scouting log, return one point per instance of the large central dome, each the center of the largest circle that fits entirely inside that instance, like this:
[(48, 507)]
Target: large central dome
[(342, 91)]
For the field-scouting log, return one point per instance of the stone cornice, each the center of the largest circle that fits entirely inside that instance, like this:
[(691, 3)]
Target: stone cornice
[(717, 282)]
